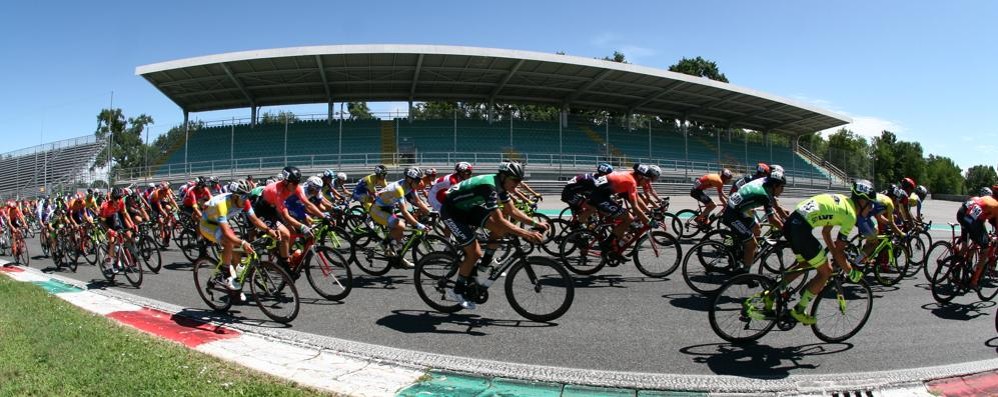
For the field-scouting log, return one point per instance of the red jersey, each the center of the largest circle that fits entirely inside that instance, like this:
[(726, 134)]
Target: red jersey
[(196, 195), (275, 194), (111, 207), (622, 182), (982, 208)]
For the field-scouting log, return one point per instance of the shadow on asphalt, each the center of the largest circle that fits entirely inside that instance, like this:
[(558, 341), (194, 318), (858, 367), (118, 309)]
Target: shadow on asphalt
[(104, 284), (423, 321), (953, 311), (689, 301), (752, 360), (611, 281), (179, 266), (993, 342), (233, 316), (380, 282)]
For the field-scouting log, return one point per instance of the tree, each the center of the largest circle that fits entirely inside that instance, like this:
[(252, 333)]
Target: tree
[(909, 161), (127, 149), (166, 144), (980, 176), (699, 67), (848, 151), (616, 57), (884, 159), (943, 176), (359, 111), (279, 117)]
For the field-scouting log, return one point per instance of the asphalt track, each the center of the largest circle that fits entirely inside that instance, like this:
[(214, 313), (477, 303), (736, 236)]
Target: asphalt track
[(619, 321)]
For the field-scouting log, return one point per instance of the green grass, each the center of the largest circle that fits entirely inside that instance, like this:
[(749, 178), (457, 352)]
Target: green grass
[(51, 348)]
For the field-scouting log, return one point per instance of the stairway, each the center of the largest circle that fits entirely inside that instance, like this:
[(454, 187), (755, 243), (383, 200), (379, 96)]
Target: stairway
[(599, 141), (834, 173), (388, 147)]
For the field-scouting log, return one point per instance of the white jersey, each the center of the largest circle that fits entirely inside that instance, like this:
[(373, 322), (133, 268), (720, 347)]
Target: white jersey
[(439, 188)]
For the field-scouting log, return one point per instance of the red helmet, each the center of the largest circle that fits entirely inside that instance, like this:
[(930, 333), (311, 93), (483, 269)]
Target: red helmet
[(761, 169), (908, 184), (11, 203)]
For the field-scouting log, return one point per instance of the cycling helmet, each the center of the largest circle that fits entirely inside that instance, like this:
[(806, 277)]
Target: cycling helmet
[(90, 192), (462, 167), (430, 172), (213, 180), (312, 184), (899, 194), (328, 174), (603, 169), (238, 187), (908, 184), (985, 191), (291, 174), (164, 185), (11, 203), (862, 189), (341, 176), (654, 172), (413, 173), (116, 193), (278, 177), (726, 174), (761, 169), (776, 177), (921, 192), (512, 168), (152, 185), (380, 170), (200, 182)]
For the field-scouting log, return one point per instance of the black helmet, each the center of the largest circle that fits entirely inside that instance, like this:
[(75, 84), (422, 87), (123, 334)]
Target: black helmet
[(413, 173), (116, 193), (200, 181), (291, 174), (512, 168), (380, 170), (462, 167), (862, 189), (921, 192)]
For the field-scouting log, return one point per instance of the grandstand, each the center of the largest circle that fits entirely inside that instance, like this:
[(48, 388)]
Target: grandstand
[(49, 167), (698, 116)]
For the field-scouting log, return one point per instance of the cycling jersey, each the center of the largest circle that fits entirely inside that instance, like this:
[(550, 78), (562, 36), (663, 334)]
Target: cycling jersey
[(276, 193), (913, 199), (439, 190), (196, 195), (751, 196), (980, 209), (621, 182), (480, 191), (223, 207), (577, 189), (393, 194), (708, 181), (738, 183), (111, 207), (829, 210)]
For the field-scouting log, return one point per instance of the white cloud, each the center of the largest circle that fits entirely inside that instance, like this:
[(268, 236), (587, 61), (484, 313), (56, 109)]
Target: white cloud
[(867, 126), (614, 42)]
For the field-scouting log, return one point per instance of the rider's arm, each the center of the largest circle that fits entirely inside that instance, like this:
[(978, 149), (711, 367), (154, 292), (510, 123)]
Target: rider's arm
[(722, 196), (883, 219), (638, 208), (409, 218), (837, 248), (529, 189)]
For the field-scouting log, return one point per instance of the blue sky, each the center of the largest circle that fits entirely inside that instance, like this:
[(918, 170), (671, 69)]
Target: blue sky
[(925, 70)]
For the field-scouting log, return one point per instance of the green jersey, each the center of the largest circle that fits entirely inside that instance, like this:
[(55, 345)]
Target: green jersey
[(479, 191), (751, 196), (829, 210)]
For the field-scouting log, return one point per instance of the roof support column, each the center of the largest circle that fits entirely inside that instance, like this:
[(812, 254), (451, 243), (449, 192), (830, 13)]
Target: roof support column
[(339, 157), (187, 129), (606, 126), (410, 111), (492, 111), (253, 112), (747, 164), (561, 152), (649, 140), (455, 130), (329, 113), (686, 145), (718, 135)]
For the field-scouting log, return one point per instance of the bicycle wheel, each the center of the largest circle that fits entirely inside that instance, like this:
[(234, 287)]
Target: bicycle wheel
[(938, 251), (559, 228), (338, 239), (917, 250), (845, 310), (279, 304), (688, 227), (87, 248), (210, 282), (891, 265), (162, 235), (368, 255), (565, 213), (729, 311), (779, 258), (657, 254), (435, 274), (68, 256), (22, 252), (708, 266), (149, 254), (580, 252), (43, 240), (329, 274), (428, 244), (187, 241), (129, 265), (672, 223), (987, 285), (104, 264), (539, 289), (947, 279)]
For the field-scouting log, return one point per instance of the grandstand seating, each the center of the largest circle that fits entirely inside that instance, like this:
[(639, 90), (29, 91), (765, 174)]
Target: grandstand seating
[(55, 165), (425, 137)]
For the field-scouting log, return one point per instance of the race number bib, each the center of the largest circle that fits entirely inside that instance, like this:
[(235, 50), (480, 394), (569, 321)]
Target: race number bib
[(600, 181), (696, 184), (975, 211), (735, 199), (808, 207), (571, 181)]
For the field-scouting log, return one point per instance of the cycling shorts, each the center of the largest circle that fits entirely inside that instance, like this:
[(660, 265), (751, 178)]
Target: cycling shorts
[(384, 216), (463, 223), (113, 222), (805, 246), (604, 202), (739, 223), (974, 228), (700, 196)]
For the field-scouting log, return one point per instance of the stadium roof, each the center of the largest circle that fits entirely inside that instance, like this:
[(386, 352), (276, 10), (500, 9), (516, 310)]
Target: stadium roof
[(341, 73)]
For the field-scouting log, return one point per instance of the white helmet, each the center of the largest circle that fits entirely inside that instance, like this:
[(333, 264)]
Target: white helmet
[(341, 176)]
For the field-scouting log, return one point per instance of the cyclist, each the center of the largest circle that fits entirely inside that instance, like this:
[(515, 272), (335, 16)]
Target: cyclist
[(116, 219), (312, 188), (648, 193), (624, 183), (971, 216), (367, 186), (915, 200), (472, 204), (826, 211), (883, 212), (438, 190), (761, 170), (429, 175), (330, 182), (269, 205), (43, 212), (136, 206), (603, 169), (250, 182), (705, 182), (907, 185), (392, 200), (738, 213), (215, 227), (78, 212), (577, 191), (14, 216), (196, 195)]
